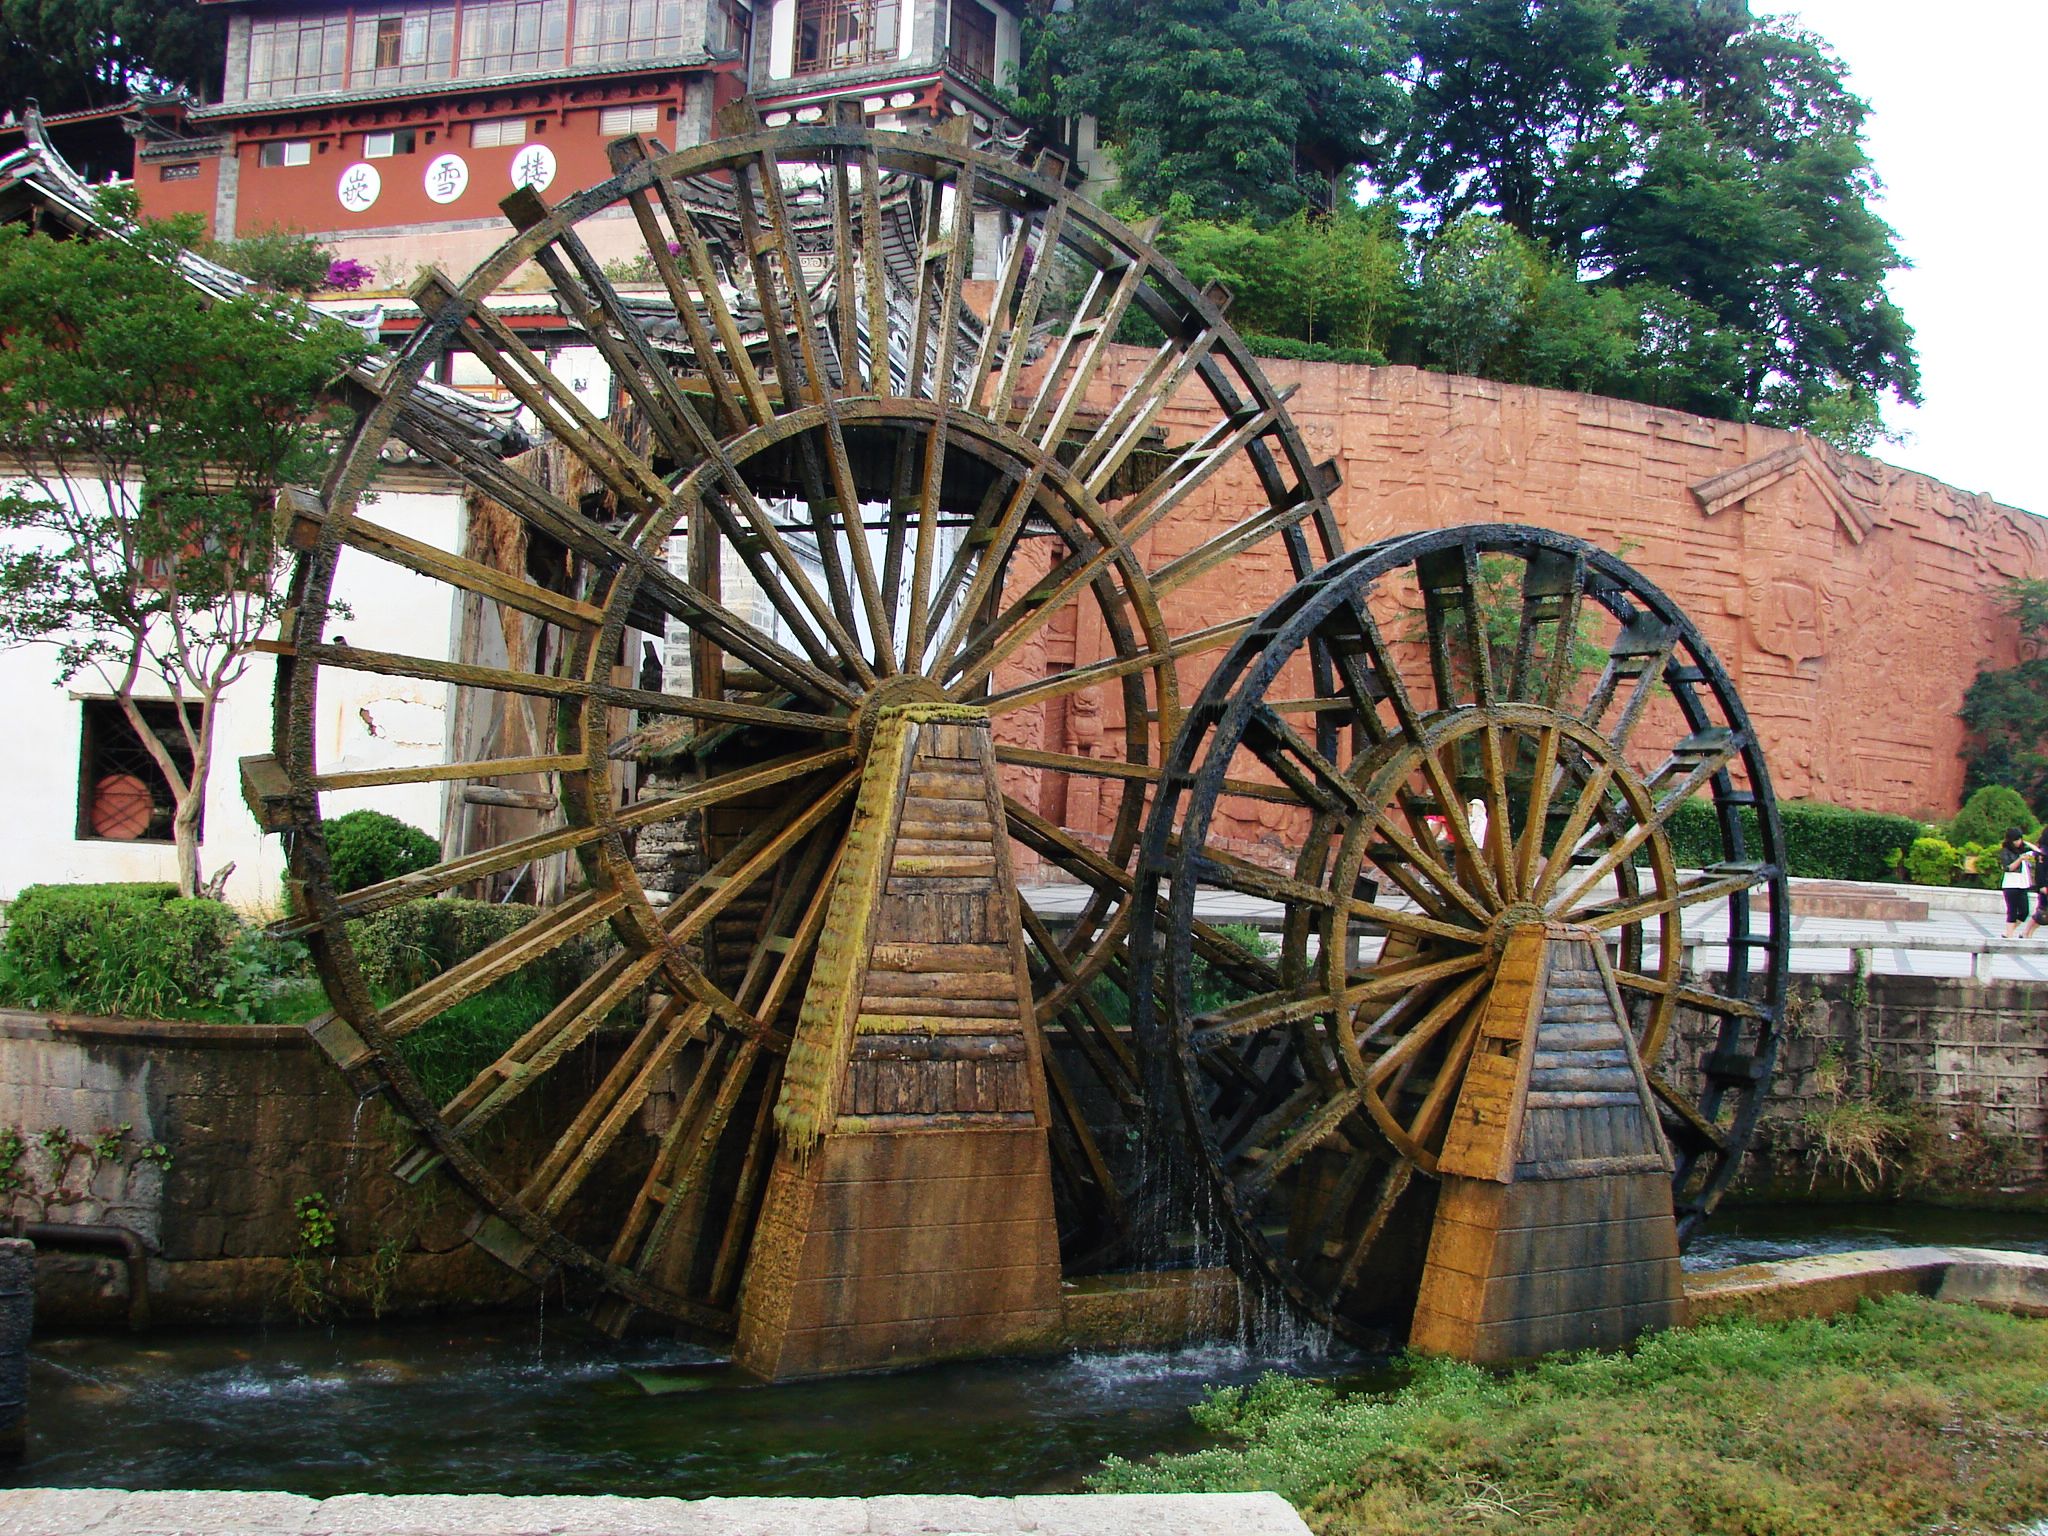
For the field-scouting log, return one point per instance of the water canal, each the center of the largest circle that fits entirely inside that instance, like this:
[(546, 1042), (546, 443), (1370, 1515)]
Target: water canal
[(520, 1404)]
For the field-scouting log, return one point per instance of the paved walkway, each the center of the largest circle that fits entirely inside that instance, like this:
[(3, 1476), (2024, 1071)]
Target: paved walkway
[(111, 1512), (1960, 925)]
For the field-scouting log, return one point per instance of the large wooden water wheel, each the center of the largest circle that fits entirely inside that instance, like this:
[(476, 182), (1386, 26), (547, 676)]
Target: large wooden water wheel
[(862, 450), (1484, 731)]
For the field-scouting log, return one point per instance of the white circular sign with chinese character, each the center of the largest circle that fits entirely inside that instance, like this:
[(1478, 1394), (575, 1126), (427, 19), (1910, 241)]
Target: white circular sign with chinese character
[(447, 176), (359, 187), (534, 166)]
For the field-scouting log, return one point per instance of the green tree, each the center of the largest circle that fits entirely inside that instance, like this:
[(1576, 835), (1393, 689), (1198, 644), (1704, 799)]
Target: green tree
[(71, 54), (1988, 812), (1248, 108), (1683, 151), (2006, 708), (1338, 278), (148, 428)]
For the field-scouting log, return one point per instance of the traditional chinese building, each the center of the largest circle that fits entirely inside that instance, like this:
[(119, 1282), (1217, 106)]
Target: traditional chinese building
[(392, 131)]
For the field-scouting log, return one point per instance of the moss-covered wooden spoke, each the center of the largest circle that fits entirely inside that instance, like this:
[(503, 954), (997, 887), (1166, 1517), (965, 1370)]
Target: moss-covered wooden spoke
[(1483, 728), (866, 442)]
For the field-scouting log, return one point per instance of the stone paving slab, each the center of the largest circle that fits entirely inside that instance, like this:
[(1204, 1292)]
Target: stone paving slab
[(112, 1512)]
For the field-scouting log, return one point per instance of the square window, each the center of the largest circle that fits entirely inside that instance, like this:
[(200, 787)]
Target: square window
[(382, 146), (286, 152), (497, 133), (617, 122), (122, 794)]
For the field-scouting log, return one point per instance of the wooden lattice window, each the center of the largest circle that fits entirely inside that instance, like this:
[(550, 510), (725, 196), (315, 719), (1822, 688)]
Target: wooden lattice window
[(732, 28), (505, 37), (122, 794), (837, 34), (972, 42)]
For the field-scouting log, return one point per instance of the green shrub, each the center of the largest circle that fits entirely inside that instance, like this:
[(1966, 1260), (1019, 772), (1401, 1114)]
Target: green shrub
[(410, 944), (1977, 865), (448, 1051), (1987, 813), (283, 259), (368, 848), (1311, 351), (118, 949), (1931, 861), (1822, 842)]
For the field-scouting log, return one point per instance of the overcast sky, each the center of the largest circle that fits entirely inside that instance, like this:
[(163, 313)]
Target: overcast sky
[(1958, 96)]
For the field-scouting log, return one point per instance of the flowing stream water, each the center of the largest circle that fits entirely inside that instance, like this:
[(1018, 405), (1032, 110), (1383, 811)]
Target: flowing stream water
[(491, 1405)]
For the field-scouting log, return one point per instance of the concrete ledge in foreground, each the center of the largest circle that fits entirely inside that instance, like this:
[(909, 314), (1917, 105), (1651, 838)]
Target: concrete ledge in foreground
[(112, 1512), (1830, 1283)]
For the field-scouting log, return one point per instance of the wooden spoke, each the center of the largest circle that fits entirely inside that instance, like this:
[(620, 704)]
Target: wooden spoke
[(1297, 1141), (1542, 782), (543, 936), (1591, 792), (730, 786), (1389, 981), (1690, 997), (446, 876), (437, 773), (1712, 888), (1647, 827), (1392, 1187), (1687, 1115), (751, 858), (542, 1048), (608, 1111), (1004, 405), (414, 555), (1199, 643)]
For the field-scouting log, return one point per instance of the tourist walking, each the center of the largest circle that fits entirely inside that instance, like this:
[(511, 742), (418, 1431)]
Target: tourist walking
[(2040, 893), (2017, 859)]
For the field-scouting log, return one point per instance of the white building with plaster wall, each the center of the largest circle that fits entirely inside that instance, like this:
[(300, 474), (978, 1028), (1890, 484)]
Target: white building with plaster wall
[(61, 751)]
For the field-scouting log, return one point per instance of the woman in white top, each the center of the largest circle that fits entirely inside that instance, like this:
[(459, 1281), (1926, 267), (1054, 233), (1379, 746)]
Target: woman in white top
[(2016, 860)]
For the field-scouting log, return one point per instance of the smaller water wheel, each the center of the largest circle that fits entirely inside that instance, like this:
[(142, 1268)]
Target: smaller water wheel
[(1485, 733)]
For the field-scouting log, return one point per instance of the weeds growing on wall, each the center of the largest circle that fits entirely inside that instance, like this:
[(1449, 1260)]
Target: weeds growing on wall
[(1907, 1417)]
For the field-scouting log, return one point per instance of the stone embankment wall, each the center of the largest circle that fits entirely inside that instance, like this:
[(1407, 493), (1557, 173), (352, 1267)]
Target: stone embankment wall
[(251, 1119), (1962, 1065)]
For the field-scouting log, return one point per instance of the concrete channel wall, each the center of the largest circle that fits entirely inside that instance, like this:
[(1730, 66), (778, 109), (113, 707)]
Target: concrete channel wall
[(251, 1120), (1969, 1057)]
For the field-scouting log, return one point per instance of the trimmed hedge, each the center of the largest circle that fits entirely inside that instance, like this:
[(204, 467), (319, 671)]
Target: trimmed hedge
[(119, 949), (1310, 351), (1822, 842)]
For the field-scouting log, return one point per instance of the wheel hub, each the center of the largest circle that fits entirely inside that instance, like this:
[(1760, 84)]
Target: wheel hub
[(891, 692)]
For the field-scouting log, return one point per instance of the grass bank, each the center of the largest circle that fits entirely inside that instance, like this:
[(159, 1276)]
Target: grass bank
[(1909, 1416)]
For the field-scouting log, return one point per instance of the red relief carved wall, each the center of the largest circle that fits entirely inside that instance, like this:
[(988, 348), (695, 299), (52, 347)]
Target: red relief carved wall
[(1851, 654)]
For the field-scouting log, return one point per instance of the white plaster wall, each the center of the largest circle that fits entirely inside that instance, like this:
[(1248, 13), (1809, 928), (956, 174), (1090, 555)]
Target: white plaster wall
[(782, 40), (1009, 46), (364, 721)]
